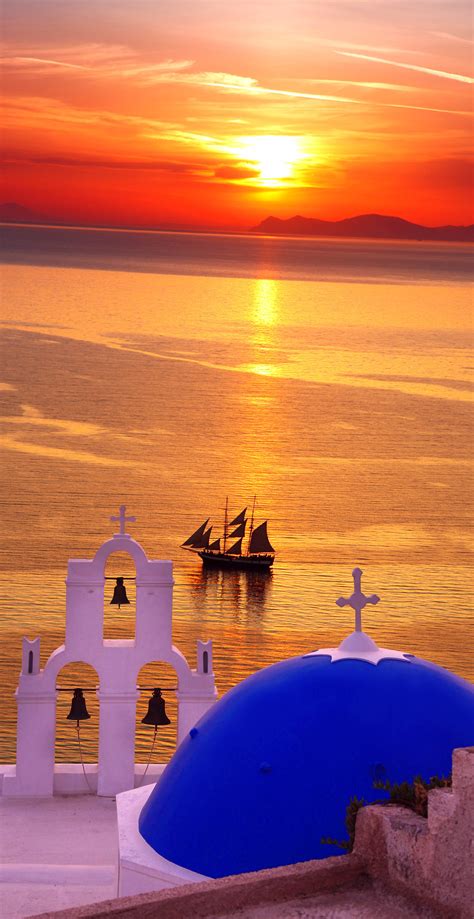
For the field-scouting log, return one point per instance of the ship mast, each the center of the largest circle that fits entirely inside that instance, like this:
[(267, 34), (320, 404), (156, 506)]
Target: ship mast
[(226, 517), (251, 522)]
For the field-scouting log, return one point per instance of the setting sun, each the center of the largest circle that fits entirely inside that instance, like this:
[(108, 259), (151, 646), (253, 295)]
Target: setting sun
[(274, 155)]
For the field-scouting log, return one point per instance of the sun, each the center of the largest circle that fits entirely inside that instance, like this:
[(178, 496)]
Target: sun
[(275, 156)]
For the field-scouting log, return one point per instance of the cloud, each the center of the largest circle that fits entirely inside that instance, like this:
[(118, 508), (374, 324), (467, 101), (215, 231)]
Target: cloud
[(256, 88), (460, 78), (33, 62), (236, 172), (354, 46), (12, 158), (151, 73), (397, 87), (27, 109), (456, 38), (93, 61), (42, 108)]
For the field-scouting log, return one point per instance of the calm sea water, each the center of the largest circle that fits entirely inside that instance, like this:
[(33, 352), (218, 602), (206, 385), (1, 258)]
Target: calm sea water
[(330, 378)]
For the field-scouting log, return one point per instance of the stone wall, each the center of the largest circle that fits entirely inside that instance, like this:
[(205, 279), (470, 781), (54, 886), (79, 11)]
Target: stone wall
[(430, 859), (212, 899)]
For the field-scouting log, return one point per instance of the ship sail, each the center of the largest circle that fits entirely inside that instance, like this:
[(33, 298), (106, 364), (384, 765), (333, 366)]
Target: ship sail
[(215, 546), (195, 540), (239, 533), (236, 549), (204, 544), (259, 541), (239, 519)]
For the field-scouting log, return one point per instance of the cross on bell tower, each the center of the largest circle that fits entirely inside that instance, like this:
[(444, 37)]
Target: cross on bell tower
[(358, 600), (122, 520)]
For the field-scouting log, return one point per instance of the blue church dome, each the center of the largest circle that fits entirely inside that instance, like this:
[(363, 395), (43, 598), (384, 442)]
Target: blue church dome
[(268, 772)]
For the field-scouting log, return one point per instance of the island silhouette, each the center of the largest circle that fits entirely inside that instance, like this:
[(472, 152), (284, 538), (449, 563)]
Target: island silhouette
[(375, 226)]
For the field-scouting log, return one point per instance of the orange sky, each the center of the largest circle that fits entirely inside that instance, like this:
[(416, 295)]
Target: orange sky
[(219, 113)]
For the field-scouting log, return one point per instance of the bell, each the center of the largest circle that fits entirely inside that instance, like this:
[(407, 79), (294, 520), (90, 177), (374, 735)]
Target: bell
[(78, 707), (156, 710), (120, 594)]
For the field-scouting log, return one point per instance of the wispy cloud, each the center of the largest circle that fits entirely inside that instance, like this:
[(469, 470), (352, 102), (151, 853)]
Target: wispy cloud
[(240, 171), (148, 165), (209, 78), (460, 78), (254, 87), (356, 46), (42, 109), (363, 84), (33, 62), (28, 109), (93, 61), (450, 37)]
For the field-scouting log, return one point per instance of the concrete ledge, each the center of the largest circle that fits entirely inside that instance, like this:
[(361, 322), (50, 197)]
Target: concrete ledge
[(69, 778), (228, 895)]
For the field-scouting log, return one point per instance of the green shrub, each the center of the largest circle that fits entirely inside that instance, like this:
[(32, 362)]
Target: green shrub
[(413, 795)]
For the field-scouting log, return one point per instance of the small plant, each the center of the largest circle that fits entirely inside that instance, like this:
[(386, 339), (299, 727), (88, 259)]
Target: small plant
[(413, 795)]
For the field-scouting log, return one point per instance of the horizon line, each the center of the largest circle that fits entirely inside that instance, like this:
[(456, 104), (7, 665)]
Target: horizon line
[(55, 222)]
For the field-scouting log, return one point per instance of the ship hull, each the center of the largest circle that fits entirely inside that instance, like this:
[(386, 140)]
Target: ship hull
[(223, 560)]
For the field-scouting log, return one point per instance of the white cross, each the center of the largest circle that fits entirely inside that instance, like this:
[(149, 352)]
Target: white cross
[(123, 519), (358, 600)]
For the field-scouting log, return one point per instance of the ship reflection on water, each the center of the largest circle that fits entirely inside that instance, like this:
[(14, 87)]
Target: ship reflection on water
[(240, 594)]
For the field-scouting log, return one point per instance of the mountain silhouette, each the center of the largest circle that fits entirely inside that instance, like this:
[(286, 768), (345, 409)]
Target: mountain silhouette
[(375, 226)]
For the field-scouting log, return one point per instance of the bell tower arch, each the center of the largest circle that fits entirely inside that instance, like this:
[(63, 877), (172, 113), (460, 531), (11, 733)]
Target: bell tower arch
[(120, 604)]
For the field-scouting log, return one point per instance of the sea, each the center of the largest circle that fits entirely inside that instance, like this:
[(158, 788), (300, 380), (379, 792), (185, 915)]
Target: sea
[(331, 379)]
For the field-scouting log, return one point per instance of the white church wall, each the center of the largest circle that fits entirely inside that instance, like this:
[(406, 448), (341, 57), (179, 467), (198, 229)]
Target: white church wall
[(35, 745), (116, 741)]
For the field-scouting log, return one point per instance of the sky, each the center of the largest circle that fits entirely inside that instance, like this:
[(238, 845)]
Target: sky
[(217, 113)]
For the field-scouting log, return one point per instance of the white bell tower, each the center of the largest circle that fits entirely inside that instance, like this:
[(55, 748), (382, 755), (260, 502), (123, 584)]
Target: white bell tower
[(117, 663)]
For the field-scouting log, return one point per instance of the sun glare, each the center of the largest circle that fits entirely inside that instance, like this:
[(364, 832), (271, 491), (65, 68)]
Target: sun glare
[(275, 156)]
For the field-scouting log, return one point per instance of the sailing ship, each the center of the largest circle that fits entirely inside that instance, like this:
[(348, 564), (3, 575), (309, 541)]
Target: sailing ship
[(224, 552)]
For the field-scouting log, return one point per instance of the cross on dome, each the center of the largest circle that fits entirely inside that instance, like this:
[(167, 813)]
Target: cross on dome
[(122, 520), (358, 645), (358, 600)]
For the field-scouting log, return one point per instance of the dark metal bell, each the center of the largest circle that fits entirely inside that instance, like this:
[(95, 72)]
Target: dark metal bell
[(120, 594), (78, 707), (156, 713)]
